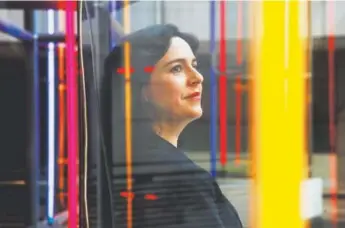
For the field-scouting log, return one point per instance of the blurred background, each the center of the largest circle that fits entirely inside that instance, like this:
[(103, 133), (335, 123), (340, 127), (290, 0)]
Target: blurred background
[(193, 17)]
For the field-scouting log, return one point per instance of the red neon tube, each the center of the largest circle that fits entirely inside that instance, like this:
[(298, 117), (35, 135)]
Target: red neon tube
[(331, 104), (222, 88), (72, 114)]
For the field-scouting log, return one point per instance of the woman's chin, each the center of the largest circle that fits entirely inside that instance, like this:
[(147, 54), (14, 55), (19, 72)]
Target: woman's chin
[(195, 113)]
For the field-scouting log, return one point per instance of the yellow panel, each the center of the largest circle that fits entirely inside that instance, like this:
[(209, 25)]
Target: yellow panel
[(278, 109)]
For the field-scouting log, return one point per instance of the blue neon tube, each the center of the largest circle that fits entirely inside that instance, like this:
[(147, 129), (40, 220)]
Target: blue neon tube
[(36, 148), (51, 121), (15, 31), (213, 94)]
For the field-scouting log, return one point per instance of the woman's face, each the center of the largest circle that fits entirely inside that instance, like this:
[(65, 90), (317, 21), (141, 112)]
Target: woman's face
[(175, 87)]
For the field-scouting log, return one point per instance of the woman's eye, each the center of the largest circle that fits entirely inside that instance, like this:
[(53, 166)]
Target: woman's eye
[(176, 69)]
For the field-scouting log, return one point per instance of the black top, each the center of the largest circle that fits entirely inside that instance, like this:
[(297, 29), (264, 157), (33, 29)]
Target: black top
[(169, 190)]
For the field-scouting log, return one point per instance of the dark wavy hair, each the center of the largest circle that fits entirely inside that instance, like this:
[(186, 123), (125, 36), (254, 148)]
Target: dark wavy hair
[(147, 47)]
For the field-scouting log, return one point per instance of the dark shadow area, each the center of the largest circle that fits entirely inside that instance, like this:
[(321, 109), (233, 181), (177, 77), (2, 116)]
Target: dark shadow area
[(17, 133), (14, 188)]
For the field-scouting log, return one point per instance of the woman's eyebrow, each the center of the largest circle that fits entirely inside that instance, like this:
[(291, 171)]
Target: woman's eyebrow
[(179, 60)]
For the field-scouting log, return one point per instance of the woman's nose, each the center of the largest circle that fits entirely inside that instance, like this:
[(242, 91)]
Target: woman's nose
[(195, 77)]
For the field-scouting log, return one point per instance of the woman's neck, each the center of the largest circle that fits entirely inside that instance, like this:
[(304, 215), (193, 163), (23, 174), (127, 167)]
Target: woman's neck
[(170, 131)]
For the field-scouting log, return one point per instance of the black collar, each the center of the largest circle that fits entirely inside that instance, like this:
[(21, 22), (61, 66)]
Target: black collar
[(156, 157)]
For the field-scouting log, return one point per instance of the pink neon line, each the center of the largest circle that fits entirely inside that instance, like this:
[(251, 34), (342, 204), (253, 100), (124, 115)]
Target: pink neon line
[(72, 115), (223, 88)]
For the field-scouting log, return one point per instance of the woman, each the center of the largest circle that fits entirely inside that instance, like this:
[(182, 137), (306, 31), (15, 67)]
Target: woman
[(168, 189)]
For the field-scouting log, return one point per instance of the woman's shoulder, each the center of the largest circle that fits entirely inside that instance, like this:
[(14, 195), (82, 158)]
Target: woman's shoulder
[(188, 198)]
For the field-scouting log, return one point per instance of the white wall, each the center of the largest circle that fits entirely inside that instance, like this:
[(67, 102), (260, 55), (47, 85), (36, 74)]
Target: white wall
[(340, 17), (194, 17), (142, 14), (321, 18), (15, 17)]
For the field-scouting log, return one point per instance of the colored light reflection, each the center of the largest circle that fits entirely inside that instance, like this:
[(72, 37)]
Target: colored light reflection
[(51, 120)]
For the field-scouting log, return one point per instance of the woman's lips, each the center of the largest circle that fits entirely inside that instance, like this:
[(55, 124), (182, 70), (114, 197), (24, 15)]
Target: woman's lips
[(194, 96)]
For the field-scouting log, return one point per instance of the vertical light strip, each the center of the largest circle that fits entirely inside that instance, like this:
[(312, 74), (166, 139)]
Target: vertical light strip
[(307, 33), (331, 105), (213, 93), (305, 15), (223, 126), (36, 134), (51, 120), (77, 77), (238, 83), (62, 124), (128, 113), (72, 115), (62, 111), (278, 127), (254, 23)]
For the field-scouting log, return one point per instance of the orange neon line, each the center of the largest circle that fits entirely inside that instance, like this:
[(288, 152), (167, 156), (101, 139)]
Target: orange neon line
[(62, 159), (62, 121), (128, 127), (308, 98), (128, 113)]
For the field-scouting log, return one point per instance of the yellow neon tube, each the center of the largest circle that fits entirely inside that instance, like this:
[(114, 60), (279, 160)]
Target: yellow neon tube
[(278, 99)]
